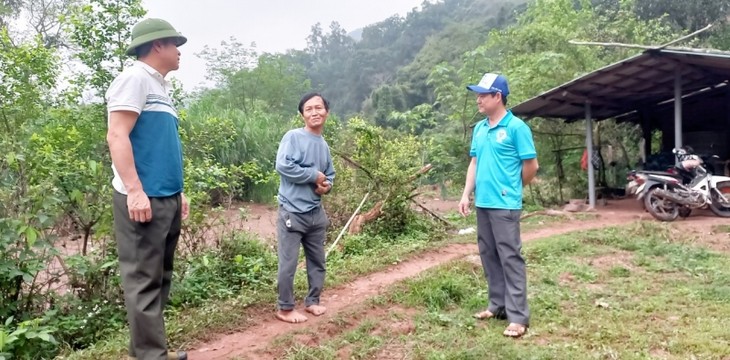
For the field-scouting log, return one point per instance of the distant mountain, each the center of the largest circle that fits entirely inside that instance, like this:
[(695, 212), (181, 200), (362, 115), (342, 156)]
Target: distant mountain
[(356, 34), (397, 54)]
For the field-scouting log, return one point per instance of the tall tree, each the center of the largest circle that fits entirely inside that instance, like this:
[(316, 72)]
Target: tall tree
[(101, 30)]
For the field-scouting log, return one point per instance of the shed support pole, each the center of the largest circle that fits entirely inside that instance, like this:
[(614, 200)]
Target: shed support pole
[(678, 107), (589, 148)]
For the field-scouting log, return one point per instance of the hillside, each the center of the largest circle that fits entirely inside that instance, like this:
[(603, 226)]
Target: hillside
[(398, 50)]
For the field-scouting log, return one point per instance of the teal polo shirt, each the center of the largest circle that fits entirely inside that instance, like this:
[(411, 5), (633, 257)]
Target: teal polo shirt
[(499, 152)]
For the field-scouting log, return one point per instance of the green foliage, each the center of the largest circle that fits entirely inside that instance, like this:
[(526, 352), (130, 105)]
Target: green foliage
[(689, 15), (83, 322), (352, 72), (249, 81), (381, 162), (102, 29), (241, 262), (27, 211), (535, 56), (406, 75), (230, 153), (72, 157), (28, 73), (25, 340)]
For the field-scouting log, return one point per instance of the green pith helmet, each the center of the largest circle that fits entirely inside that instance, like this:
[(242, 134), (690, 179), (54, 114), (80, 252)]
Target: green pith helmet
[(149, 30)]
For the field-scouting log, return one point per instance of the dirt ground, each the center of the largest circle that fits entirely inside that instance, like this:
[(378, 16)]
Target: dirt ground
[(255, 342)]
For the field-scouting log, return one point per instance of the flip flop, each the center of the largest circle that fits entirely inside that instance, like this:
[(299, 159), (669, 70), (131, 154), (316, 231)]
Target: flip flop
[(486, 314), (515, 330)]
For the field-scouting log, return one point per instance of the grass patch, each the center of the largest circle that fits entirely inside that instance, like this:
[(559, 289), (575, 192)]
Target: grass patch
[(189, 325), (635, 292)]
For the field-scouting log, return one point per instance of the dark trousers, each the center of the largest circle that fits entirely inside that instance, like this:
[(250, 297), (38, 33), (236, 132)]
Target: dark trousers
[(500, 246), (146, 252), (310, 231)]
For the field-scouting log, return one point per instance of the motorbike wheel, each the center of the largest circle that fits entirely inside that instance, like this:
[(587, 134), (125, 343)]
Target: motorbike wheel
[(660, 209), (716, 206), (685, 212)]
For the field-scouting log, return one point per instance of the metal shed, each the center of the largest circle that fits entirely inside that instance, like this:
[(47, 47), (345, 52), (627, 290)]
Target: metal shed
[(644, 89)]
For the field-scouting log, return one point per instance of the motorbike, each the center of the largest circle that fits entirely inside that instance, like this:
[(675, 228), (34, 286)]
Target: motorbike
[(691, 186), (639, 183)]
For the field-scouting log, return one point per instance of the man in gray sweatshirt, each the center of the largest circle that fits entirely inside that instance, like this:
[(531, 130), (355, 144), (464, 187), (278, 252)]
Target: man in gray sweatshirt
[(305, 165)]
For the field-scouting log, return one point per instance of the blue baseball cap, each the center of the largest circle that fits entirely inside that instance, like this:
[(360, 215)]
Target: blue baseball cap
[(491, 84)]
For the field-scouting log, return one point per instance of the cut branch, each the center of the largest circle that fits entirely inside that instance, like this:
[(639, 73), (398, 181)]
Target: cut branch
[(686, 36), (353, 163), (436, 216), (547, 213), (362, 219), (613, 44), (418, 174), (643, 47)]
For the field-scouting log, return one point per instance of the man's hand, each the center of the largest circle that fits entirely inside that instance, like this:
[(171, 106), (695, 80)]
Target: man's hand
[(138, 205), (185, 206), (464, 206), (321, 179), (323, 188)]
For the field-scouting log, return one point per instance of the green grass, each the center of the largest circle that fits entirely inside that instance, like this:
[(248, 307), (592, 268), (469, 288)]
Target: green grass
[(363, 255), (186, 327), (634, 292)]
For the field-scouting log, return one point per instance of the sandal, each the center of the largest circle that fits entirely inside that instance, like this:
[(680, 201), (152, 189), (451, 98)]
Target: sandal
[(515, 330), (486, 314)]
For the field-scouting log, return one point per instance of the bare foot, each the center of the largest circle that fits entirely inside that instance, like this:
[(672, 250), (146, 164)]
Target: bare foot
[(290, 316), (316, 310)]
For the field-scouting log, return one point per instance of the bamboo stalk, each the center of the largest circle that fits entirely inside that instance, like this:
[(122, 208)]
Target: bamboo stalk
[(347, 225)]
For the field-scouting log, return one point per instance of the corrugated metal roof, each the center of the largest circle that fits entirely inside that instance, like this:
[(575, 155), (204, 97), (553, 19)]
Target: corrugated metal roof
[(641, 81)]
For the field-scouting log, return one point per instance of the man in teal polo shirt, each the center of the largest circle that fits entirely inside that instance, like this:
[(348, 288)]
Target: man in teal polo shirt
[(503, 160)]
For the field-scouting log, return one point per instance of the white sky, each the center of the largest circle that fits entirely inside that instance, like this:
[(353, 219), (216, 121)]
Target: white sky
[(274, 25)]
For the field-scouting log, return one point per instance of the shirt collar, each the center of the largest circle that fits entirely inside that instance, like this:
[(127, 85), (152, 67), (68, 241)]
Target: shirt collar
[(155, 74), (505, 120)]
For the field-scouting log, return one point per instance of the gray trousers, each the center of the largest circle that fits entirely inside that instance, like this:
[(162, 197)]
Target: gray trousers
[(310, 230), (146, 252), (498, 236)]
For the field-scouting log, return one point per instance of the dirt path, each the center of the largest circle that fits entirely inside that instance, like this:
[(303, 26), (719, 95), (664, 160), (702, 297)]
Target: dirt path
[(252, 342)]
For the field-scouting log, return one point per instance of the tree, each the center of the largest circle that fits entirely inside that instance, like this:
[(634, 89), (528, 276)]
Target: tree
[(687, 15), (101, 30), (245, 77), (45, 16), (233, 57)]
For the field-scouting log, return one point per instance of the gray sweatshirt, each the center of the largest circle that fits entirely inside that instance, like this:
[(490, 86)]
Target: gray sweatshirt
[(301, 156)]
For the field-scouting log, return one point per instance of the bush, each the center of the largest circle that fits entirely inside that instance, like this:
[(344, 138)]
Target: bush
[(384, 163), (29, 339), (241, 261)]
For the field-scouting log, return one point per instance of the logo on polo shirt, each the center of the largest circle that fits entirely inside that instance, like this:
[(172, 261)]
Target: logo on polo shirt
[(501, 135)]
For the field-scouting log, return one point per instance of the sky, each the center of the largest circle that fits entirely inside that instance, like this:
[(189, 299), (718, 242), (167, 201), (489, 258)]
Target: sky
[(274, 25)]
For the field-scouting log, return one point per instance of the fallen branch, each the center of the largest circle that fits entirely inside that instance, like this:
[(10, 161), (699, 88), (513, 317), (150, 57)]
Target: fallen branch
[(448, 223), (353, 163), (547, 213), (360, 220), (420, 172)]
